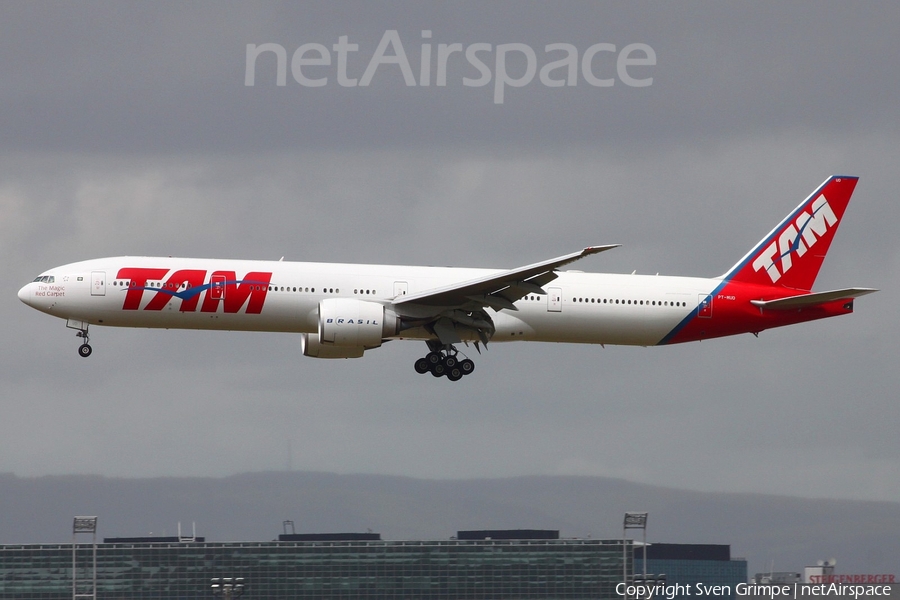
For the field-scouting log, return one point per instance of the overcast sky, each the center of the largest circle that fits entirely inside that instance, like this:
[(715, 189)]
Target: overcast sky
[(128, 128)]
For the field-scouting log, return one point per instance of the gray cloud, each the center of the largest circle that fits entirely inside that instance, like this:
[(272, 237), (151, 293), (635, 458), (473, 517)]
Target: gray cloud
[(114, 77)]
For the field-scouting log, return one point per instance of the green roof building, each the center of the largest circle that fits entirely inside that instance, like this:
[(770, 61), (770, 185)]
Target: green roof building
[(498, 565)]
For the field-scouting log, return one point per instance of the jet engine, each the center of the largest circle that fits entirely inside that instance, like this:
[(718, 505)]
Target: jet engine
[(309, 343), (348, 327)]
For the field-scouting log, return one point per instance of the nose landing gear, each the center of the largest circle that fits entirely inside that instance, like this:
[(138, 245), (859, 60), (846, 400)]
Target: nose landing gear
[(445, 361), (84, 350)]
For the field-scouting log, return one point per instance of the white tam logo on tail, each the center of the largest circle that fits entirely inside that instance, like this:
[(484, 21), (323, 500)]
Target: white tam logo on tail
[(797, 237)]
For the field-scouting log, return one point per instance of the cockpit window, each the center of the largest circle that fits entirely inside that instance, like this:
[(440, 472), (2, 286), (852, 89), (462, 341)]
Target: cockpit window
[(45, 279)]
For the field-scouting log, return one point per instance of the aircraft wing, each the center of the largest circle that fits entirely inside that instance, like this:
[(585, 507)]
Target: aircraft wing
[(499, 290), (807, 300)]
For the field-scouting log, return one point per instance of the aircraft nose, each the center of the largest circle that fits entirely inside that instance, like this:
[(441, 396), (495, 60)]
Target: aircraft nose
[(25, 294)]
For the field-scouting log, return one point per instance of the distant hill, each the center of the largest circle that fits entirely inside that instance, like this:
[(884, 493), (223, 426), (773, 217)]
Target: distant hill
[(787, 532)]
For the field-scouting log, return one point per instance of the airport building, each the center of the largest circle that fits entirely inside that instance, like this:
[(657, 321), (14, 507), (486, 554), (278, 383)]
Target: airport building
[(692, 564), (532, 564)]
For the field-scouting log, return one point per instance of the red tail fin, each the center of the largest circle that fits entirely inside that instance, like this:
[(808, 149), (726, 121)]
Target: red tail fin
[(791, 255)]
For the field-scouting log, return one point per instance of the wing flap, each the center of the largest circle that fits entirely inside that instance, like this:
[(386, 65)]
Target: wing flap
[(495, 301), (445, 329)]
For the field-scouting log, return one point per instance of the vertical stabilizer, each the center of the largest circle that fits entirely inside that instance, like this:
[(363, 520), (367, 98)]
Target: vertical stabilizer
[(792, 254)]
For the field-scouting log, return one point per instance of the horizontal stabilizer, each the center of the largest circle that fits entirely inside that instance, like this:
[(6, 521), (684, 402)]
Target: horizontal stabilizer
[(807, 300)]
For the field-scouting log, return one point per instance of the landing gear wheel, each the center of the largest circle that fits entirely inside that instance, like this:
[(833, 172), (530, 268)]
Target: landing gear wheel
[(444, 359), (84, 350)]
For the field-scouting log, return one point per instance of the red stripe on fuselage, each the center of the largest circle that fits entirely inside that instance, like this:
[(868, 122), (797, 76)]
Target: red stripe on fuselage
[(732, 313)]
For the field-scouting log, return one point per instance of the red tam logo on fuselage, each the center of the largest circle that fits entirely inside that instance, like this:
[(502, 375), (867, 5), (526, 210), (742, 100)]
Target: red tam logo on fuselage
[(223, 288)]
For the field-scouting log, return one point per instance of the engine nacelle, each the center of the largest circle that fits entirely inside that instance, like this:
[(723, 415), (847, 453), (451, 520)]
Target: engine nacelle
[(348, 322), (309, 343)]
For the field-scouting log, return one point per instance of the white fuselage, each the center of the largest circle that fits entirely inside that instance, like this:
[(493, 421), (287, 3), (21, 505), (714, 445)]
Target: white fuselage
[(285, 296)]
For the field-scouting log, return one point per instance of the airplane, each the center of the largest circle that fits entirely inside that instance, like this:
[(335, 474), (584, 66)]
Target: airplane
[(342, 310)]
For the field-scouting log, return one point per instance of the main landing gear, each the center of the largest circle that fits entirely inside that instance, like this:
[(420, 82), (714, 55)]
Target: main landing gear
[(445, 361)]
